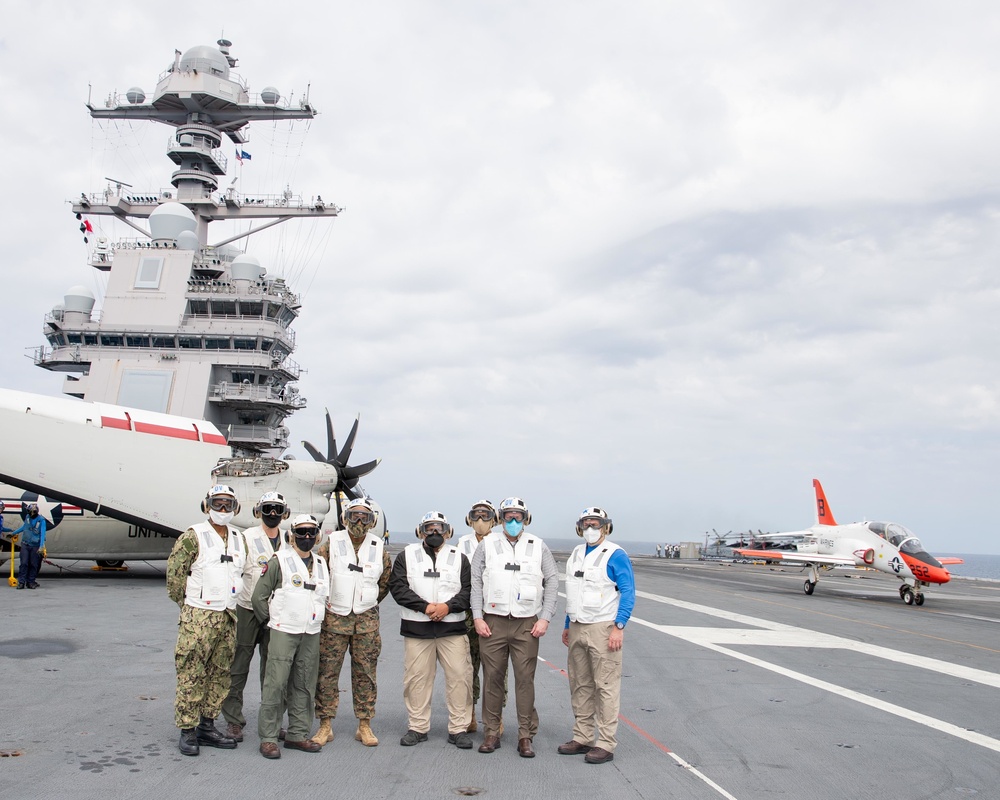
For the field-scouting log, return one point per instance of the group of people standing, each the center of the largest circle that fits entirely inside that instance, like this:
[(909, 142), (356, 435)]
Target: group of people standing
[(483, 602)]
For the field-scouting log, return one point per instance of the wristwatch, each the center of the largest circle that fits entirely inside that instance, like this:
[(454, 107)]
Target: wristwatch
[(620, 626)]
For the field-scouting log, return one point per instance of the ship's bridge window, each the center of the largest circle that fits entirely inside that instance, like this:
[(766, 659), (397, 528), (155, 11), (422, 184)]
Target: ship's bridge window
[(137, 341), (112, 340), (214, 343), (148, 274), (248, 309), (244, 344), (74, 338), (189, 342), (90, 338), (198, 306), (224, 308), (266, 345), (164, 341), (239, 377)]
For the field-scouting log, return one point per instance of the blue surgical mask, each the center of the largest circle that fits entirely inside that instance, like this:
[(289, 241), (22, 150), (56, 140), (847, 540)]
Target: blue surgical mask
[(513, 527)]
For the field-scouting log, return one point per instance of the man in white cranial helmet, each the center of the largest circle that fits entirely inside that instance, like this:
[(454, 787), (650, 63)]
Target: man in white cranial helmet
[(431, 583), (600, 596), (204, 577), (515, 588), (262, 541), (290, 598), (359, 581)]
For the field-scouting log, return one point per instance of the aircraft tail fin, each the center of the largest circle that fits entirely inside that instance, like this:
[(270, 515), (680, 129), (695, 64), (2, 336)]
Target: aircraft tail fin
[(824, 516)]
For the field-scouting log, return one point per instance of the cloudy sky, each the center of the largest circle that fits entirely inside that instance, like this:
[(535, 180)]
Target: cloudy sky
[(672, 259)]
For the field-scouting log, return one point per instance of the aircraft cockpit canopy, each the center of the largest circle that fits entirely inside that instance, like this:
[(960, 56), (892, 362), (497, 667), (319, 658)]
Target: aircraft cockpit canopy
[(897, 534)]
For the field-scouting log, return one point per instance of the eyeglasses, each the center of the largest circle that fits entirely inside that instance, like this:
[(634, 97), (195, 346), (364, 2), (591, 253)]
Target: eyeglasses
[(591, 522), (222, 504), (362, 515), (480, 513), (272, 509), (518, 515)]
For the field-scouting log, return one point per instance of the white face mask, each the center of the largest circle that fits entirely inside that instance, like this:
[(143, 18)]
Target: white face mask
[(592, 535), (220, 517)]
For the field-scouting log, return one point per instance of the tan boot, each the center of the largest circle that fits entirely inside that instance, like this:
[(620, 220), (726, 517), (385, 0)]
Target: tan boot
[(473, 725), (324, 735), (364, 733)]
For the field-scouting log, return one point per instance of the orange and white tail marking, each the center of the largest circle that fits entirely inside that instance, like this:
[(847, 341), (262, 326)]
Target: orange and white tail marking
[(824, 516)]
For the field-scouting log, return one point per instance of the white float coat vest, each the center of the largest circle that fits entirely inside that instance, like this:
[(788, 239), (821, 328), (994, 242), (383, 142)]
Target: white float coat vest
[(216, 575), (591, 596), (467, 545), (354, 576), (512, 576), (434, 581), (260, 552), (298, 605)]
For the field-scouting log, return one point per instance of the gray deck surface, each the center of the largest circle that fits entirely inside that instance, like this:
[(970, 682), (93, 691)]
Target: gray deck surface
[(736, 685)]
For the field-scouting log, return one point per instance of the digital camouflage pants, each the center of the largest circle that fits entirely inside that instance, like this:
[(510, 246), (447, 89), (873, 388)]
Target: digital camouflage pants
[(206, 640)]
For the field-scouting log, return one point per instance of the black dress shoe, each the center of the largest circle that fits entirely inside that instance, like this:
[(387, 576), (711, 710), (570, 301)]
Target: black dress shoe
[(210, 736), (189, 742)]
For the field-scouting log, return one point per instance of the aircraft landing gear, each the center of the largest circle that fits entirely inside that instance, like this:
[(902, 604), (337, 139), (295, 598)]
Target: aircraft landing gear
[(911, 597), (110, 564), (809, 586)]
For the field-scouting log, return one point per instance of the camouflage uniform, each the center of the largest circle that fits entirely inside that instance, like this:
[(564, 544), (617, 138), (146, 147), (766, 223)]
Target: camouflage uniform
[(358, 633), (206, 641)]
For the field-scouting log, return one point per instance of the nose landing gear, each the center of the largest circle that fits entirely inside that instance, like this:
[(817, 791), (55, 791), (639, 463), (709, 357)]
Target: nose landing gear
[(911, 597)]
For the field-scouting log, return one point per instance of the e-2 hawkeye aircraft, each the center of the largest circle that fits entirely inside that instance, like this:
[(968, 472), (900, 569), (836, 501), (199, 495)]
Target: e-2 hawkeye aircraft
[(117, 483), (885, 546)]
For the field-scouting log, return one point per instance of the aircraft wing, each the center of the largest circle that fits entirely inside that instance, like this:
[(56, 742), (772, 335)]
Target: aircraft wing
[(799, 558), (948, 560), (137, 466)]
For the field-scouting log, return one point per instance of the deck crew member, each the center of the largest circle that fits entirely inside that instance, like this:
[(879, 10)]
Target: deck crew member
[(32, 545), (261, 543), (290, 598), (600, 596), (431, 583), (204, 573), (514, 593), (482, 518), (359, 581)]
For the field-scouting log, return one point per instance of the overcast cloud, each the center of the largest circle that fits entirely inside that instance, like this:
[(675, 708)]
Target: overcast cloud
[(672, 259)]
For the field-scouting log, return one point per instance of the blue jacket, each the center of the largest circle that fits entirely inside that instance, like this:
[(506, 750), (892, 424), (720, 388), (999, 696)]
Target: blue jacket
[(34, 532)]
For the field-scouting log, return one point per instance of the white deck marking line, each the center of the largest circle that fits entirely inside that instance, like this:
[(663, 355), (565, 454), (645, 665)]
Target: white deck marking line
[(801, 637), (804, 637)]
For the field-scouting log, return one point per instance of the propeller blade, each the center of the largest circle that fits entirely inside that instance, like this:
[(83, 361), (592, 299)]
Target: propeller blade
[(316, 454), (331, 440), (353, 473), (345, 454)]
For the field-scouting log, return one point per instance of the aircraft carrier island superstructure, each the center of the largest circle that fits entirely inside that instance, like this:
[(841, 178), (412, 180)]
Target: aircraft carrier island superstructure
[(188, 326)]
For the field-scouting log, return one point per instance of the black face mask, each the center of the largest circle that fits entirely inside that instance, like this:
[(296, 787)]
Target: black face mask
[(434, 540), (33, 513), (271, 520), (305, 543)]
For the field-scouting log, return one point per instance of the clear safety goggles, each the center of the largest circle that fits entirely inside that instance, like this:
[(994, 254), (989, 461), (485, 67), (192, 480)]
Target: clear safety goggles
[(480, 513), (222, 503), (515, 514), (362, 515), (432, 527), (591, 522)]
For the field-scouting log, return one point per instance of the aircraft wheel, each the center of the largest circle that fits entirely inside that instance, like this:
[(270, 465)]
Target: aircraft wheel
[(903, 589), (110, 564), (808, 587), (919, 599), (908, 596)]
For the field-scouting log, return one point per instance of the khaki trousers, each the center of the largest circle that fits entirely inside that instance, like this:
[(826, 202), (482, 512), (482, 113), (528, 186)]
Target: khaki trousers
[(595, 682), (419, 667), (510, 639)]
